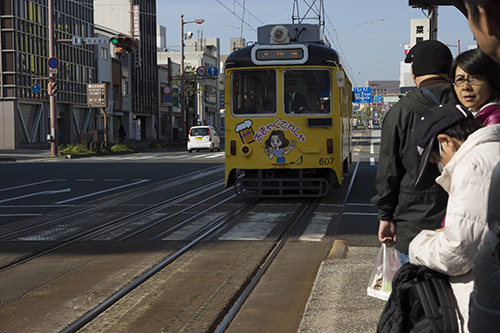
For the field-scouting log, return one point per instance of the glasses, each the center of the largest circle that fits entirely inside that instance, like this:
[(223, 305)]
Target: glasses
[(474, 80)]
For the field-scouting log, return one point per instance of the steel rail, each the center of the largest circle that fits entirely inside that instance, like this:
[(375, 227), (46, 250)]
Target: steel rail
[(109, 225), (306, 207), (114, 200), (213, 227), (304, 210)]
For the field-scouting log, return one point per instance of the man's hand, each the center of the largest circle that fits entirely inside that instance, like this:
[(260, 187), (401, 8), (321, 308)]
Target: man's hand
[(387, 232)]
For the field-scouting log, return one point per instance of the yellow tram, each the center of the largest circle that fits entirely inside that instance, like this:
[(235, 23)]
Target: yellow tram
[(288, 115)]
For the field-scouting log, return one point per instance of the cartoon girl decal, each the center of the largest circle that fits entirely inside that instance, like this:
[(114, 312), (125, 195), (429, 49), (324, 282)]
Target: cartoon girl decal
[(276, 144)]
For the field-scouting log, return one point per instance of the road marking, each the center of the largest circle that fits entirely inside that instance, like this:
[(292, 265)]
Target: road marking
[(37, 193), (32, 184), (255, 226), (20, 215), (316, 230), (103, 191), (34, 206)]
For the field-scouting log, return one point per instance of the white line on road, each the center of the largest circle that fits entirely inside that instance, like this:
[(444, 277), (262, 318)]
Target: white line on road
[(32, 184), (20, 215), (37, 193), (103, 191)]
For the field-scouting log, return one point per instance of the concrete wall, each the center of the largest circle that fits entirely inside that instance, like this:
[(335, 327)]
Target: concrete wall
[(7, 125)]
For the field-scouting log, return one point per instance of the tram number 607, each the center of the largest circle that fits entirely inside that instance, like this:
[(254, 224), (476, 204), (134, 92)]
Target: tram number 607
[(326, 161)]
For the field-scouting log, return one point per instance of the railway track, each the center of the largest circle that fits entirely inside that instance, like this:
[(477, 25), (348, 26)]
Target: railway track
[(219, 285)]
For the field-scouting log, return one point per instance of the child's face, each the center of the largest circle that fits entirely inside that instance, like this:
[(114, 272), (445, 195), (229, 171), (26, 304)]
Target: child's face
[(447, 148)]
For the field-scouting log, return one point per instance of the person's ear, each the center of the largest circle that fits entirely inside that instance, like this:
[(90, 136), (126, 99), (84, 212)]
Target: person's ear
[(446, 140)]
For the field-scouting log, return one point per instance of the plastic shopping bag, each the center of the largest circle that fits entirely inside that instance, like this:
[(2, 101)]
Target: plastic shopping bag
[(386, 266)]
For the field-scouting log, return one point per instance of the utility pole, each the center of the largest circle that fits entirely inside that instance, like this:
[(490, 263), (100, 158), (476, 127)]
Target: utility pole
[(170, 111), (181, 91), (52, 78), (433, 17)]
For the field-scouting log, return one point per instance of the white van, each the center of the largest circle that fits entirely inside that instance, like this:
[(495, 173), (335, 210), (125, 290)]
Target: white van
[(203, 137)]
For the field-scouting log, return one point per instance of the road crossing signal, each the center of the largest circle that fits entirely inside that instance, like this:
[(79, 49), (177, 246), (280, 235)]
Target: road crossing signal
[(52, 88), (123, 44)]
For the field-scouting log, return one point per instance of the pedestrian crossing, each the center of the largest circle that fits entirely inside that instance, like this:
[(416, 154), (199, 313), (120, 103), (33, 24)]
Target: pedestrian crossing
[(164, 156)]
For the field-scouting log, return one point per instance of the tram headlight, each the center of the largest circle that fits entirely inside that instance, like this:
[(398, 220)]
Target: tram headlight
[(280, 35), (246, 150)]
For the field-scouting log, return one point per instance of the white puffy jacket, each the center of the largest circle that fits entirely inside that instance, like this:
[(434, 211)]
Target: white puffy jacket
[(453, 250)]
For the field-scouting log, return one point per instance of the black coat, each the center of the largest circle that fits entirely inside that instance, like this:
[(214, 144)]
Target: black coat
[(298, 102), (396, 198)]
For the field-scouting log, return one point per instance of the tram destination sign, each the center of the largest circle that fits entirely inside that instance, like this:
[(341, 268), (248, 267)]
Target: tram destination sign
[(96, 95), (291, 54), (280, 54)]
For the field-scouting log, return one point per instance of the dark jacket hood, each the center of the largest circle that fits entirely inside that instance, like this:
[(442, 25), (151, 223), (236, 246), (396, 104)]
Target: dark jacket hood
[(418, 101)]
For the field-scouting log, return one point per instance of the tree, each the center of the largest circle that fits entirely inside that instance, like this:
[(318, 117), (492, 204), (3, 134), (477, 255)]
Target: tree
[(191, 88)]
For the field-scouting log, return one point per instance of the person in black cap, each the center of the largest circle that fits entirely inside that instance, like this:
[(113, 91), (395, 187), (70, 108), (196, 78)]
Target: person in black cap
[(449, 134), (403, 211)]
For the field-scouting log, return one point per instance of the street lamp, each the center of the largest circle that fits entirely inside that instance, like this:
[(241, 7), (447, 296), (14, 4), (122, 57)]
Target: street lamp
[(182, 99)]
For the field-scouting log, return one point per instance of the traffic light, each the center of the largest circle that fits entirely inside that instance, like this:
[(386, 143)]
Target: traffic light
[(123, 44), (457, 3), (52, 88)]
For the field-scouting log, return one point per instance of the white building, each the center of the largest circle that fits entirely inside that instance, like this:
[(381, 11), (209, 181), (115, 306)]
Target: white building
[(204, 107)]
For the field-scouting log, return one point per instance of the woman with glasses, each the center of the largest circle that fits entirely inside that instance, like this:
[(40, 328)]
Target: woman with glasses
[(476, 83)]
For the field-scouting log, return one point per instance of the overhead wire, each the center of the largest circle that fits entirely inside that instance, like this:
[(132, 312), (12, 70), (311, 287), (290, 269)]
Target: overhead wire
[(241, 18)]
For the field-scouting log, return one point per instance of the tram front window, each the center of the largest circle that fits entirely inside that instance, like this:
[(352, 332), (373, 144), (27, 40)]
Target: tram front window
[(307, 91), (253, 92)]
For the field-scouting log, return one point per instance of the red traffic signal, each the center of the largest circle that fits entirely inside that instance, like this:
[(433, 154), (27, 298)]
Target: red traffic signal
[(123, 44)]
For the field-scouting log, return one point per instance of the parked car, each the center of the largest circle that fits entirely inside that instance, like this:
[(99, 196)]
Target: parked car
[(203, 137)]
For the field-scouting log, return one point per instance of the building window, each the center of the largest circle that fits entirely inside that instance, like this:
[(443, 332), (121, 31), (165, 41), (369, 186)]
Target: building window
[(104, 53), (124, 87)]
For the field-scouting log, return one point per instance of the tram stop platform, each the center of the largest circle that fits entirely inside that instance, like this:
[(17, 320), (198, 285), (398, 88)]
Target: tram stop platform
[(338, 301)]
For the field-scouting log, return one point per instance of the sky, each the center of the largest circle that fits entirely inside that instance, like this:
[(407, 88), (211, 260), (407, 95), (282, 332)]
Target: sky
[(369, 35)]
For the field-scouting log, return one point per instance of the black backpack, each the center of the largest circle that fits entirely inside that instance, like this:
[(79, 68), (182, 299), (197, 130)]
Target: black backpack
[(421, 301)]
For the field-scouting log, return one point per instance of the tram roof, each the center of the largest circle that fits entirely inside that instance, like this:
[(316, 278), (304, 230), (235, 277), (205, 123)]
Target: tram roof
[(318, 55)]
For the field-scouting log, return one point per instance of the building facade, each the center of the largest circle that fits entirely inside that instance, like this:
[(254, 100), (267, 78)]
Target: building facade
[(202, 107), (139, 22), (24, 99)]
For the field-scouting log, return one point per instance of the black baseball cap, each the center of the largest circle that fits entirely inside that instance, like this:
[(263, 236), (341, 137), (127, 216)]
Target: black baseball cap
[(428, 125), (429, 57)]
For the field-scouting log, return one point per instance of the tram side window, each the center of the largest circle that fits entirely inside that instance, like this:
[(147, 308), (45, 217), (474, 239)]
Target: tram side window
[(307, 91), (253, 92)]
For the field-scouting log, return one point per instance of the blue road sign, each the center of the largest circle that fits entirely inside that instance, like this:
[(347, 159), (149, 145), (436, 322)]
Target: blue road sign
[(378, 99), (53, 62), (362, 94), (213, 71), (167, 98), (36, 88), (76, 40)]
